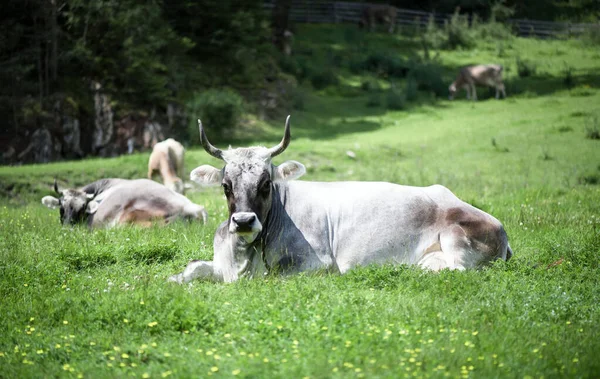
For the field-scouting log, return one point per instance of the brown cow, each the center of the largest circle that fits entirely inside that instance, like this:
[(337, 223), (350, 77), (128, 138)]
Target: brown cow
[(167, 159), (378, 14), (484, 75)]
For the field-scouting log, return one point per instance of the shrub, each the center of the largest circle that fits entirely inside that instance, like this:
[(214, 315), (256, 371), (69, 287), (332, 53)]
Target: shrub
[(305, 68), (370, 84), (356, 66), (298, 99), (428, 76), (374, 100), (458, 33), (323, 79), (396, 100), (220, 110), (289, 65), (525, 68), (592, 35), (411, 89), (592, 131), (433, 37), (494, 31), (385, 64)]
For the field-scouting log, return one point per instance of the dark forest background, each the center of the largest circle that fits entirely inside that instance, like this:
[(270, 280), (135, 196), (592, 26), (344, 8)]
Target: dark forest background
[(104, 77)]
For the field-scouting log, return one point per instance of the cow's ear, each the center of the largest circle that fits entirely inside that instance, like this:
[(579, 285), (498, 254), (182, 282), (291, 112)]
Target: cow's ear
[(50, 201), (206, 175), (289, 170), (92, 207)]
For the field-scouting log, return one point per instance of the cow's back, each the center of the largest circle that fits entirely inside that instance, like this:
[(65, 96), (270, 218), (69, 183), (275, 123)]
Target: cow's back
[(485, 74), (139, 200), (361, 222)]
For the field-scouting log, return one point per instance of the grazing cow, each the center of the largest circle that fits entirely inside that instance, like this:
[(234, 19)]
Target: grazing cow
[(111, 202), (378, 14), (292, 226), (483, 75), (167, 159)]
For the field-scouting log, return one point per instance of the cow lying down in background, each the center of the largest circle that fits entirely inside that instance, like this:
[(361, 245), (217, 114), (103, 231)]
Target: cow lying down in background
[(291, 226), (111, 202)]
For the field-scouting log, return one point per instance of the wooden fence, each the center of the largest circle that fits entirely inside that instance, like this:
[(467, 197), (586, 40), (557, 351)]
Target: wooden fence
[(324, 11)]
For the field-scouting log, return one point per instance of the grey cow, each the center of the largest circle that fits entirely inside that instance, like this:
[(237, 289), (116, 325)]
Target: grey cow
[(111, 202), (277, 223)]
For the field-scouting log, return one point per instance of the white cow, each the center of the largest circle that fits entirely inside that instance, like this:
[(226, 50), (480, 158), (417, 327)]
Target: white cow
[(484, 75), (278, 223)]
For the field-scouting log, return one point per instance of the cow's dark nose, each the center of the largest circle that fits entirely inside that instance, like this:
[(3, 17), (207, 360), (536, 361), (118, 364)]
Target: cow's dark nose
[(244, 221)]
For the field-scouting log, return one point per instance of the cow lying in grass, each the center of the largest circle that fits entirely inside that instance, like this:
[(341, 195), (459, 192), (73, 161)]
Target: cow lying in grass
[(112, 202), (276, 223), (167, 159), (484, 75)]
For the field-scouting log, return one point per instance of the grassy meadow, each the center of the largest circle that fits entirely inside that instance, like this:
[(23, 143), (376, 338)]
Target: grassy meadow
[(80, 303)]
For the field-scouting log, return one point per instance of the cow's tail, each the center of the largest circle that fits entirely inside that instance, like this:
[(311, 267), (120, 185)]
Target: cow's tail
[(509, 252)]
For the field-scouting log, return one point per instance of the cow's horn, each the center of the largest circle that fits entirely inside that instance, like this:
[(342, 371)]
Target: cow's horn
[(207, 146), (56, 187), (276, 150)]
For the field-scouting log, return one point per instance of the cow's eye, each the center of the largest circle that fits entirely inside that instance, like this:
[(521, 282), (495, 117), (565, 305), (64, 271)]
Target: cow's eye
[(226, 188), (266, 187)]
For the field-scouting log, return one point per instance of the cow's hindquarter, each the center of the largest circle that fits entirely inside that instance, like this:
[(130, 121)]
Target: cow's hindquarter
[(468, 237), (143, 202)]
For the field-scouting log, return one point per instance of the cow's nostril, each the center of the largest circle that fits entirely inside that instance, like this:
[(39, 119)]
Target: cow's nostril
[(244, 219)]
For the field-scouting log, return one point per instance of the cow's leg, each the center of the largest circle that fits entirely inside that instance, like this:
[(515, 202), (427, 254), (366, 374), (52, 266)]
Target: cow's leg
[(439, 260), (468, 89), (474, 91), (195, 269)]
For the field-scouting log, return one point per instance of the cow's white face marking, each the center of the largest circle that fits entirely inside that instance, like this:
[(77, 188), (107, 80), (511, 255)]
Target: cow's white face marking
[(247, 181), (452, 91)]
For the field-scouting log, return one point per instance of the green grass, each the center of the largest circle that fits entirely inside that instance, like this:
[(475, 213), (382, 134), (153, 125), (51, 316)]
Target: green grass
[(97, 304)]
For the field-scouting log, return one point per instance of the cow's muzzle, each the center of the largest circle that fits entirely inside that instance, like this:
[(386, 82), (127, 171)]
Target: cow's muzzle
[(246, 224)]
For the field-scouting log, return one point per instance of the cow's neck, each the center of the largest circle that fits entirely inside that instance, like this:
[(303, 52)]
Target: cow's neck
[(99, 186), (273, 225)]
